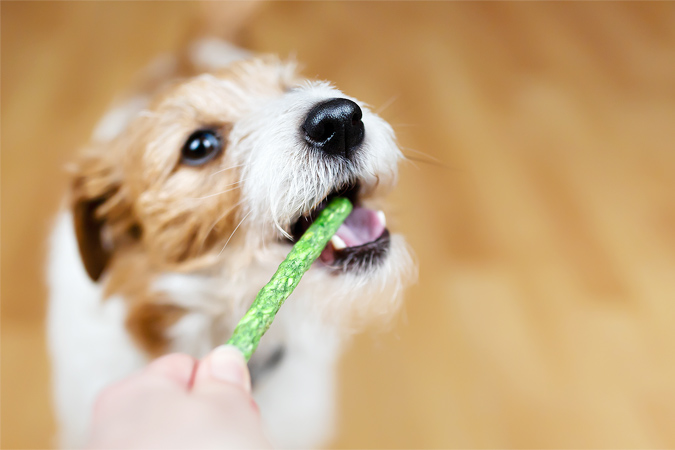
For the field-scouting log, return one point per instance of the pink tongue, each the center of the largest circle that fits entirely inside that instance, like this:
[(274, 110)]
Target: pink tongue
[(362, 226)]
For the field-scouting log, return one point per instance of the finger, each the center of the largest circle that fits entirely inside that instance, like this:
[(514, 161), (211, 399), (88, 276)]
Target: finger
[(176, 367), (225, 364)]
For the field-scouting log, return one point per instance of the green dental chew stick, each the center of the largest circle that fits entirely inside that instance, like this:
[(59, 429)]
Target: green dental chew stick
[(259, 317)]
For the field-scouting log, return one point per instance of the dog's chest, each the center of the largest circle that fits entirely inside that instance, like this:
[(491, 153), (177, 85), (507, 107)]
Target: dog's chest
[(213, 306)]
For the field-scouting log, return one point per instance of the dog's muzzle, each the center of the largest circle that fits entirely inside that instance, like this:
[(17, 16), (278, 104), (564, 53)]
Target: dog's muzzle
[(334, 127)]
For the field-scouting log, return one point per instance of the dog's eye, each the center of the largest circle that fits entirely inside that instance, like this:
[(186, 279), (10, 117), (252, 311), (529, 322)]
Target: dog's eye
[(202, 146)]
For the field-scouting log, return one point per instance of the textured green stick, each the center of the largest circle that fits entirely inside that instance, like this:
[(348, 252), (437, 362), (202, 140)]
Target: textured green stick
[(259, 317)]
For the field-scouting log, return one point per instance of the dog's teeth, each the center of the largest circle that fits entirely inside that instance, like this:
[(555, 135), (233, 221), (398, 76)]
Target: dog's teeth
[(338, 244), (383, 219)]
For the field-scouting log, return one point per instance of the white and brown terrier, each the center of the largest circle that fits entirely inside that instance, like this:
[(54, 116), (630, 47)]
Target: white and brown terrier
[(188, 197)]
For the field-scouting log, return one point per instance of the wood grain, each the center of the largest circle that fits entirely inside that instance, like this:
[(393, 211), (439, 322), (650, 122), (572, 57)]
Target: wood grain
[(539, 198)]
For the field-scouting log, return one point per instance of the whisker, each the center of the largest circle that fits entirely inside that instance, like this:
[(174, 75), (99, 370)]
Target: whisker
[(386, 104), (434, 161), (223, 192), (410, 161), (221, 217), (235, 230), (228, 168), (421, 153), (431, 163), (404, 125), (218, 193)]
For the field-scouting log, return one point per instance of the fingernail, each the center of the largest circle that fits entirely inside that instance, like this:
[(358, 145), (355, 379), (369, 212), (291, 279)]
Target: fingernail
[(227, 364)]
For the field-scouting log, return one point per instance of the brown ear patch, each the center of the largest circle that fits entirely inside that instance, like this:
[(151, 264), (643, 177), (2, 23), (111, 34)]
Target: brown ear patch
[(88, 229)]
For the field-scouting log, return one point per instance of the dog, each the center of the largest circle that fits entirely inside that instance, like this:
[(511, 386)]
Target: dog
[(191, 192)]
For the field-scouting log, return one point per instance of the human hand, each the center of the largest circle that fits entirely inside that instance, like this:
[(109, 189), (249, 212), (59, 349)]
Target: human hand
[(179, 402)]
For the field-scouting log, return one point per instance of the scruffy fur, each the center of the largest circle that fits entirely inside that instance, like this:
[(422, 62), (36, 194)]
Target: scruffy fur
[(178, 252)]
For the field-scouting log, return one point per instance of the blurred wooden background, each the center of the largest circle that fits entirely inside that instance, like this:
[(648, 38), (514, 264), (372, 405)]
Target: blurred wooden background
[(544, 315)]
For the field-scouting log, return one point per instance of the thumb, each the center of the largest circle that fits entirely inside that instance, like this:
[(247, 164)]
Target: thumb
[(225, 364)]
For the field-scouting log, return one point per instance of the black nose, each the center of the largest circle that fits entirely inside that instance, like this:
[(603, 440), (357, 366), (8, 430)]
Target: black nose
[(334, 127)]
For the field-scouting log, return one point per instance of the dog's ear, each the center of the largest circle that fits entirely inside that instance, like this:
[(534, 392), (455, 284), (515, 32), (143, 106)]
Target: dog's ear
[(98, 206), (89, 233)]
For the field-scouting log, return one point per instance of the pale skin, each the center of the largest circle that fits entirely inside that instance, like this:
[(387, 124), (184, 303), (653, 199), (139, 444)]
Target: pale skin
[(179, 402)]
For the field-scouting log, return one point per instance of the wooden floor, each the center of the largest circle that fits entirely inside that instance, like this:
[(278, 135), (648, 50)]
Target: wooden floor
[(539, 198)]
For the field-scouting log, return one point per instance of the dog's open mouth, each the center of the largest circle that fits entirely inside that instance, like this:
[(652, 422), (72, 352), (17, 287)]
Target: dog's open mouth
[(362, 241)]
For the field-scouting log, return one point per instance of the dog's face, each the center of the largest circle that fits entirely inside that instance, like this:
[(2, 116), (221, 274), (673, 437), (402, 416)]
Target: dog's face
[(228, 169)]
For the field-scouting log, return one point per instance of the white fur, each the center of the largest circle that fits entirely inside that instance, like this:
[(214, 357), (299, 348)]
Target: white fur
[(89, 345), (88, 342)]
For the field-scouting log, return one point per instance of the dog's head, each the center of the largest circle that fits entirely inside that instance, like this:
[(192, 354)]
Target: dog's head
[(227, 169)]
